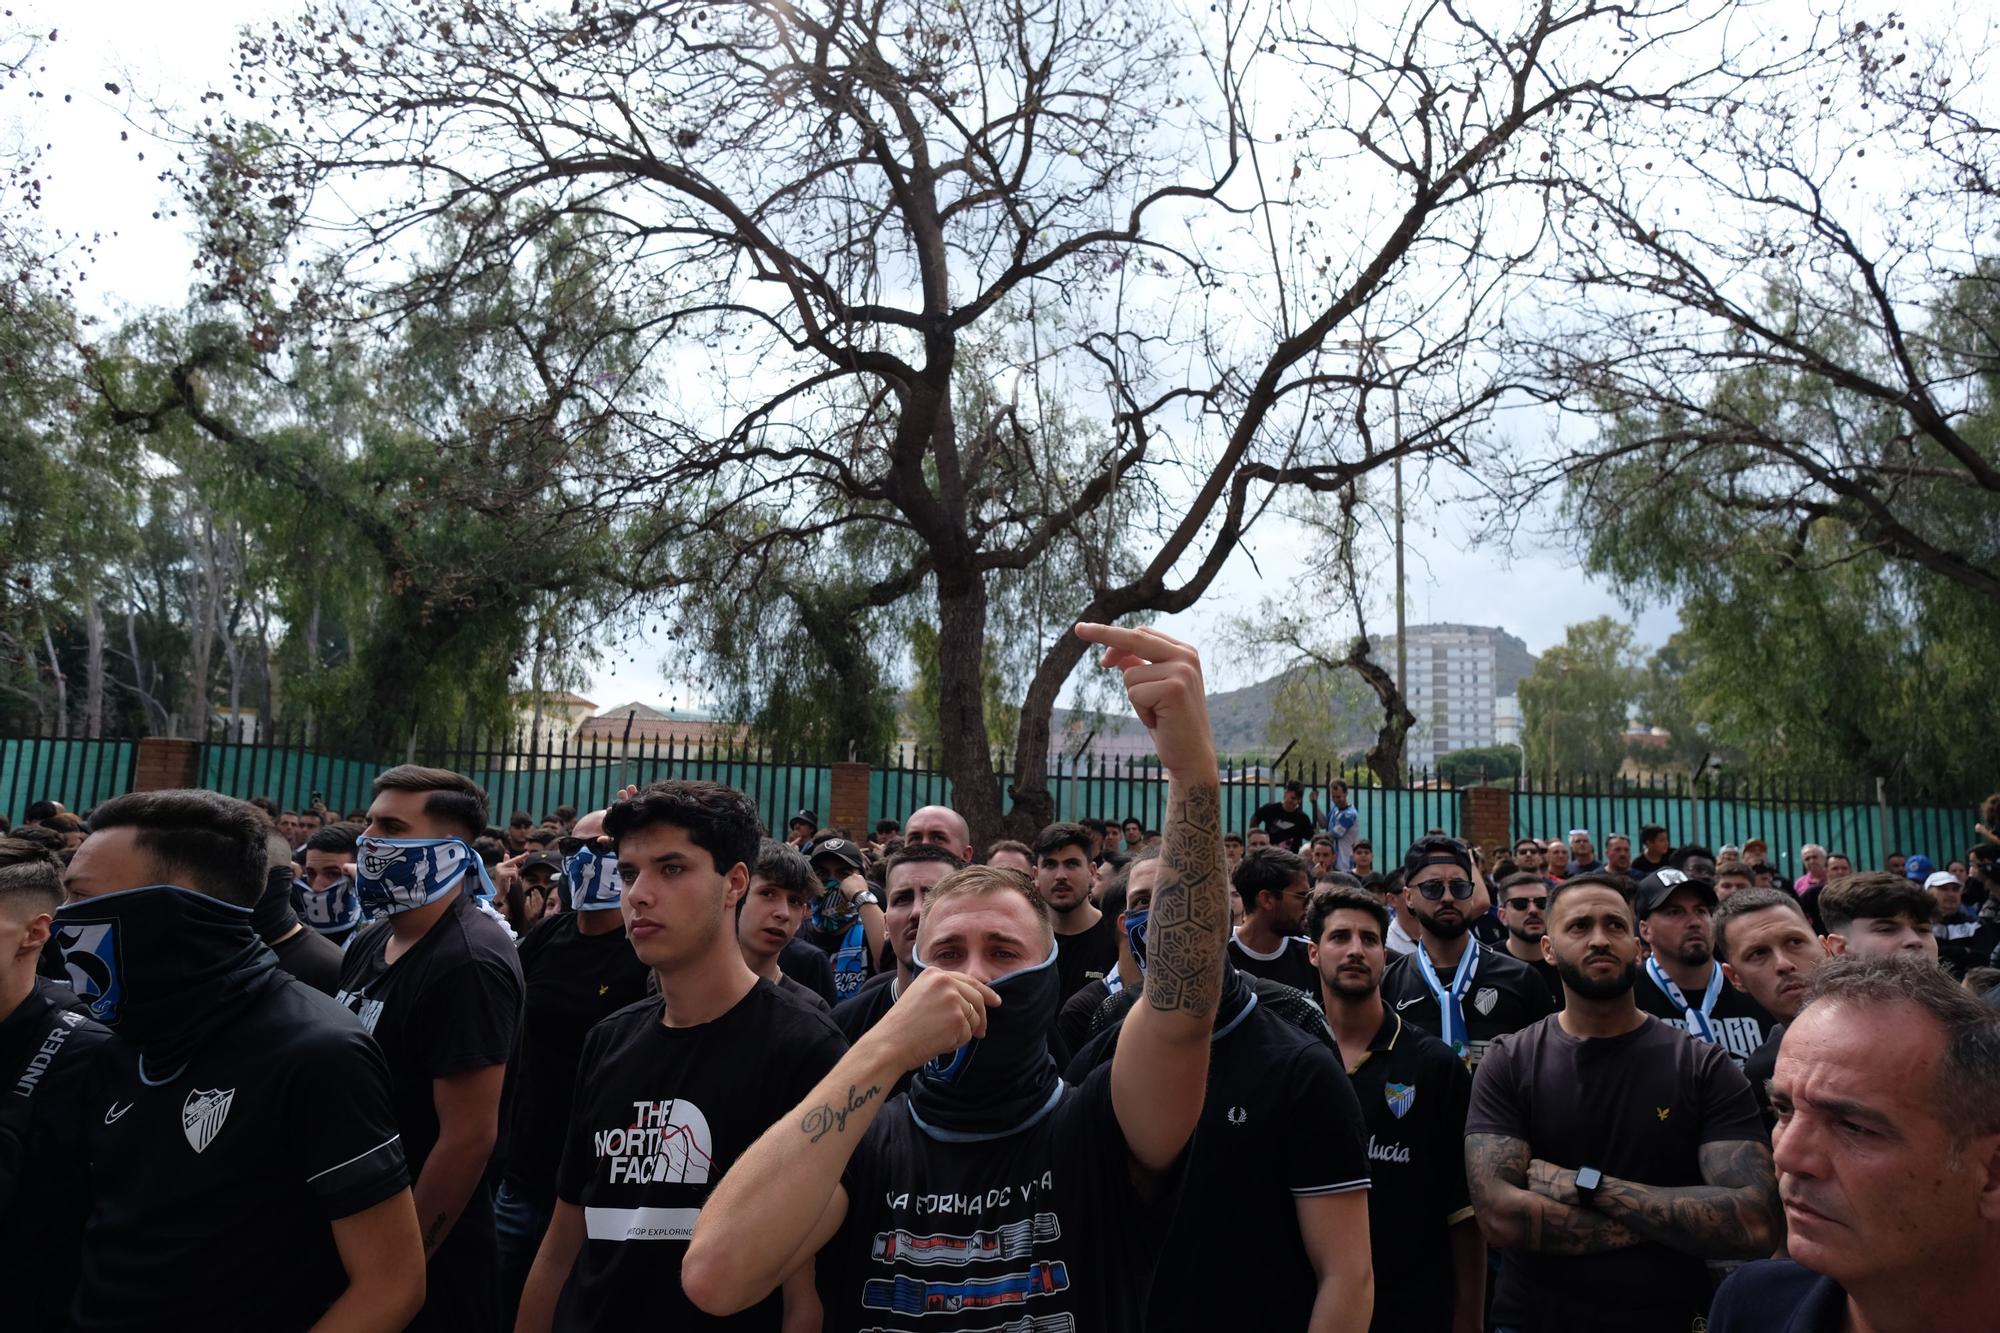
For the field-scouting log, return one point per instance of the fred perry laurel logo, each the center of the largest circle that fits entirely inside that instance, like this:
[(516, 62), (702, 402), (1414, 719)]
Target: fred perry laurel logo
[(202, 1115), (1237, 1115)]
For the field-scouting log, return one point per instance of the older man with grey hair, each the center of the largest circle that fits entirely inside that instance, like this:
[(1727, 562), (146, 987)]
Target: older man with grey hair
[(1887, 1092)]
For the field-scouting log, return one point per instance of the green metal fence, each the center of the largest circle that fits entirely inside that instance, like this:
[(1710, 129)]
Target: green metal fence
[(291, 767)]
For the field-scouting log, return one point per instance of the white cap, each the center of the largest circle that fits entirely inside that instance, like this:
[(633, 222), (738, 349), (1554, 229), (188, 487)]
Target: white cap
[(1939, 878), (1579, 833)]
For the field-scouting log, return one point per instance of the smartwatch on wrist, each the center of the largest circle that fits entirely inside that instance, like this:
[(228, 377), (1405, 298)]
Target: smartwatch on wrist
[(1588, 1178)]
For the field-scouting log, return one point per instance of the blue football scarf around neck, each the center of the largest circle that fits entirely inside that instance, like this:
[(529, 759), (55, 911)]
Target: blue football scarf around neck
[(164, 967), (594, 884), (401, 874), (1696, 1019), (1451, 1001), (1000, 1083)]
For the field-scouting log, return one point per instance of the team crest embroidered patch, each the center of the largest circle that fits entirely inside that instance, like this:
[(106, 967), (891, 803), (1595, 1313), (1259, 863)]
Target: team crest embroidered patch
[(1401, 1097), (202, 1115), (1484, 999)]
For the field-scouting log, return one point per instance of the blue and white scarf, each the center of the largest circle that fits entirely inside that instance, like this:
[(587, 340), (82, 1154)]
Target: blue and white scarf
[(594, 884), (400, 874)]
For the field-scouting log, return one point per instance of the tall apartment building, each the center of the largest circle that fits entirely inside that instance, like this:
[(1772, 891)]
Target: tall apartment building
[(1461, 685)]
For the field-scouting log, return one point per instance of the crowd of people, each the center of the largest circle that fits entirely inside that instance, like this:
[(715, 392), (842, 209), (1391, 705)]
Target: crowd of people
[(652, 1066)]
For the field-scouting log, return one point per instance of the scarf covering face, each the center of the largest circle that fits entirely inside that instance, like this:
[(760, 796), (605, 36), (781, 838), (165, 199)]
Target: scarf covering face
[(401, 874), (164, 966), (1003, 1082), (594, 884), (1135, 935), (272, 918), (334, 911)]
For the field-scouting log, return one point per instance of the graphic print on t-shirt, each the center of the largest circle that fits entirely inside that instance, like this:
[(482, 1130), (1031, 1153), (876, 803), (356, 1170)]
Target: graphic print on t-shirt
[(667, 1143)]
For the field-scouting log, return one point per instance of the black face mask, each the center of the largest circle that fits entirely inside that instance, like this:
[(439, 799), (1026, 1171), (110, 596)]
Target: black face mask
[(164, 967), (273, 918), (1003, 1082)]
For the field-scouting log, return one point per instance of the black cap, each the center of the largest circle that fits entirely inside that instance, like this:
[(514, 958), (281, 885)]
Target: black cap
[(1436, 849), (805, 817), (549, 859), (1657, 887), (837, 847)]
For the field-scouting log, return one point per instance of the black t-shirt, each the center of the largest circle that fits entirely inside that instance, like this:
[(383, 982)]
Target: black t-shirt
[(1545, 970), (1740, 1022), (1413, 1092), (1778, 1296), (212, 1193), (1637, 1107), (312, 958), (1759, 1068), (1045, 1224), (859, 1012), (1073, 1020), (805, 995), (1279, 1123), (1965, 941), (1291, 964), (808, 965), (47, 1048), (1089, 955), (572, 981), (1288, 828), (1505, 996), (660, 1116), (450, 1005)]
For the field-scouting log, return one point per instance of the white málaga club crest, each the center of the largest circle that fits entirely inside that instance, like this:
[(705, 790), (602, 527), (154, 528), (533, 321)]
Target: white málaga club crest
[(202, 1115), (1484, 999)]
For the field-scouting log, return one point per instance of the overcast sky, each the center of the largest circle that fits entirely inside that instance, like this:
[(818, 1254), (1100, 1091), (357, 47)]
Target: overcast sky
[(172, 53)]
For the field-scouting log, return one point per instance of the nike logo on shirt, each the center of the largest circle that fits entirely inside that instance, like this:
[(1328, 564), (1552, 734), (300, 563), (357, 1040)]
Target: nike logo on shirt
[(1404, 1004), (112, 1113)]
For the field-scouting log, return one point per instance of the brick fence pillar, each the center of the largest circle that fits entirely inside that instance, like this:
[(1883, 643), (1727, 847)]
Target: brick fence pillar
[(1489, 820), (849, 803), (164, 764)]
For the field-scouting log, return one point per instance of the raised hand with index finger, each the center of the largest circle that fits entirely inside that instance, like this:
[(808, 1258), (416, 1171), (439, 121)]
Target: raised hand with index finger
[(1163, 680)]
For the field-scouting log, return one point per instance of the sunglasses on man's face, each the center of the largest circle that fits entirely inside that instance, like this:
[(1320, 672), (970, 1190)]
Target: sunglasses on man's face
[(1434, 889), (1528, 904)]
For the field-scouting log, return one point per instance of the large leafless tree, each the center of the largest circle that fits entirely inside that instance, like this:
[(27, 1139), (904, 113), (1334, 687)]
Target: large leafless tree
[(878, 248)]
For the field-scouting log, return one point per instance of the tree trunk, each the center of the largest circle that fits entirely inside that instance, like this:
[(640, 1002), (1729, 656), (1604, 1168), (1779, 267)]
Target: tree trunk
[(61, 682), (968, 758), (1385, 756), (93, 673), (1034, 804)]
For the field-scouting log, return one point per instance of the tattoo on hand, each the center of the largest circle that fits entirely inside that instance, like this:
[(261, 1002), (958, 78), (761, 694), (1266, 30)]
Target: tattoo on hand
[(1189, 921), (823, 1119)]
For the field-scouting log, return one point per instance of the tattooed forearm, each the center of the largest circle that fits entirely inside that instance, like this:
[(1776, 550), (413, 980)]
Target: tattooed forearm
[(1733, 1216), (823, 1120), (1513, 1216), (1188, 924)]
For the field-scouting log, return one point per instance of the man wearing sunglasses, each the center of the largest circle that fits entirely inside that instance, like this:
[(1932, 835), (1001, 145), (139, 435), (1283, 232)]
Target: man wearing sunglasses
[(1454, 987), (1524, 906)]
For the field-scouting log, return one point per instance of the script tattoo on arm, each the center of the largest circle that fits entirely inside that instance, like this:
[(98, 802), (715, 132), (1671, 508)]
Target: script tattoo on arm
[(1732, 1216), (823, 1119), (1512, 1216), (1188, 926)]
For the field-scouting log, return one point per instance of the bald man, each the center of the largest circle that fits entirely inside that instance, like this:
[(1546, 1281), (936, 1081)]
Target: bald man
[(940, 826)]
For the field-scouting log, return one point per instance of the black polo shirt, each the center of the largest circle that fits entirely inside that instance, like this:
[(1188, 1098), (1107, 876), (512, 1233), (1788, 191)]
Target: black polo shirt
[(1505, 996), (1262, 1071), (1413, 1091), (1290, 964), (1778, 1296), (1739, 1022), (1288, 828), (213, 1192)]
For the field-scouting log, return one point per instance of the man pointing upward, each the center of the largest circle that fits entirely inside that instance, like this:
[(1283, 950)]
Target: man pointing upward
[(991, 1188)]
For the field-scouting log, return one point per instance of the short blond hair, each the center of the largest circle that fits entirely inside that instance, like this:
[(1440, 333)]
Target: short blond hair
[(977, 881)]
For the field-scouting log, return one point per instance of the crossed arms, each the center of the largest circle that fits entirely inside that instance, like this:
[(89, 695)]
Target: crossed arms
[(1525, 1203)]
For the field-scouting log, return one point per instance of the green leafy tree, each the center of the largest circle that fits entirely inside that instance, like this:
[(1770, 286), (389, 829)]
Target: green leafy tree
[(1575, 702)]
